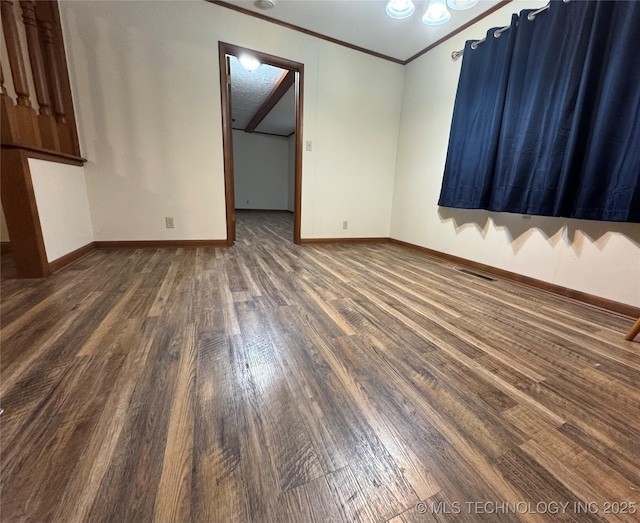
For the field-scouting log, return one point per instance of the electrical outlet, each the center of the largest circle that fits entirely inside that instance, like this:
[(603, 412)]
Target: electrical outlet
[(309, 145), (345, 224), (169, 222)]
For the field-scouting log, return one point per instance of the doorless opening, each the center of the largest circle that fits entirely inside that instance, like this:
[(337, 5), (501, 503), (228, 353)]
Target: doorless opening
[(225, 51)]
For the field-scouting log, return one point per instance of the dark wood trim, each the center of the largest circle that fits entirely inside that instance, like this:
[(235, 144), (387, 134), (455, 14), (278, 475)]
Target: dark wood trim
[(64, 78), (54, 128), (21, 209), (283, 85), (227, 140), (458, 30), (21, 213), (263, 210), (297, 184), (266, 18), (47, 154), (66, 260), (155, 244), (265, 58), (604, 303), (72, 257), (297, 68), (266, 134), (26, 118), (248, 12), (315, 241), (5, 247)]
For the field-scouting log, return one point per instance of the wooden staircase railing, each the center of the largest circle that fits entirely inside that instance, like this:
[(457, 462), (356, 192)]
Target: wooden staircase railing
[(39, 124), (52, 126)]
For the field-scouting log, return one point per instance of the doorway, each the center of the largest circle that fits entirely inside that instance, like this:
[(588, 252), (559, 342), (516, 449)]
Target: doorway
[(226, 51)]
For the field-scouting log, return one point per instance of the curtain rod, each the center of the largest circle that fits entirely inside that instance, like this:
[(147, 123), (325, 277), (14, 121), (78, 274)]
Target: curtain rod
[(457, 54)]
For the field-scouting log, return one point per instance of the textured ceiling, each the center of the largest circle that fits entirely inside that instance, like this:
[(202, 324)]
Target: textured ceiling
[(249, 90), (282, 118), (364, 23)]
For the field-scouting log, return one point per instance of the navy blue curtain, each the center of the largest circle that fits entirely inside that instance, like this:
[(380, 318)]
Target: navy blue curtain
[(569, 142), (477, 119), (604, 180)]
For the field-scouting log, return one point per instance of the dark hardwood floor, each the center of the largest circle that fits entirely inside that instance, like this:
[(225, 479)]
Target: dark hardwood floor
[(270, 382)]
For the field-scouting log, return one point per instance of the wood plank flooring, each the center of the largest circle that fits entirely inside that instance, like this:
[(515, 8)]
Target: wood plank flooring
[(270, 382)]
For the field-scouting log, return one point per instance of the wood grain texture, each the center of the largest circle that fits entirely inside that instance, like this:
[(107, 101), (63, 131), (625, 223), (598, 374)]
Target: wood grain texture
[(46, 154), (153, 244), (272, 382), (50, 11), (21, 213), (598, 301), (60, 263), (310, 241), (633, 331)]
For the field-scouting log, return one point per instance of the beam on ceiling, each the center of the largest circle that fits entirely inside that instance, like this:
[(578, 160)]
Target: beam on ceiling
[(278, 91)]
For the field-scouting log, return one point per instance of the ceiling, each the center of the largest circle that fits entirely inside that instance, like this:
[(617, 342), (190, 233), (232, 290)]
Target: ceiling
[(282, 118), (249, 90), (362, 24), (365, 24)]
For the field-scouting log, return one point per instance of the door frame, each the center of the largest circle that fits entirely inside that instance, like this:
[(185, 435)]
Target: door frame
[(224, 50)]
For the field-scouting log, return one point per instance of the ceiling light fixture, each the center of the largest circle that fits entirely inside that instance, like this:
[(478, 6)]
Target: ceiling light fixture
[(437, 13), (400, 9), (461, 5), (264, 4), (249, 62)]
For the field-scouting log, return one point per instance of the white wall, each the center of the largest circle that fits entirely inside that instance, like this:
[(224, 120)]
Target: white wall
[(291, 173), (260, 164), (351, 144), (595, 257), (63, 207), (146, 88)]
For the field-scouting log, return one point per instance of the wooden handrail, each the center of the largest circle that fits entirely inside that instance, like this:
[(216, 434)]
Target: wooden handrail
[(42, 153)]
